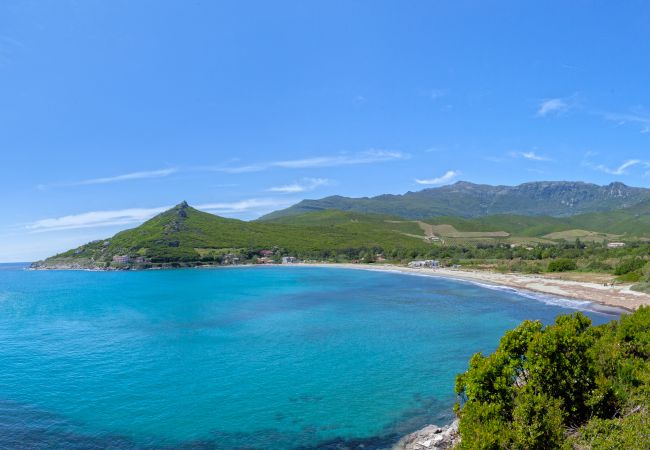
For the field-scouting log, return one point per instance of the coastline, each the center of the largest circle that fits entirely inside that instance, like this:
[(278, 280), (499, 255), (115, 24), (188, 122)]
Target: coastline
[(620, 296)]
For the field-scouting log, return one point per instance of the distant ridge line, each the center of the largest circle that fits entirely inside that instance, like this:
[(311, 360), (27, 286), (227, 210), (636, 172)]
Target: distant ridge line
[(469, 200)]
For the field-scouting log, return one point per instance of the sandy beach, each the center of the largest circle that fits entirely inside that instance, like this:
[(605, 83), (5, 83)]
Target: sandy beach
[(619, 296)]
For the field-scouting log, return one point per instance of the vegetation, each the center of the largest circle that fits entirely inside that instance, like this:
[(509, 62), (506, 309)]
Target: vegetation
[(567, 385), (562, 265), (184, 236), (629, 265)]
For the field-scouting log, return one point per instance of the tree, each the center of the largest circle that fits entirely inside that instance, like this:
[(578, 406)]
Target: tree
[(542, 382)]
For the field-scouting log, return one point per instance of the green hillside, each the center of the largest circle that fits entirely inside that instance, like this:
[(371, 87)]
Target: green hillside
[(184, 234), (631, 221)]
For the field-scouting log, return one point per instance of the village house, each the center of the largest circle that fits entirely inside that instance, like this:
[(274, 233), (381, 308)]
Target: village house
[(616, 245), (121, 259), (289, 260), (230, 259), (424, 263)]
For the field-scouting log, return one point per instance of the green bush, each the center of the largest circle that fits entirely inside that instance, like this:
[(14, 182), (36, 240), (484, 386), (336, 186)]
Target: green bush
[(642, 287), (598, 266), (567, 385), (562, 265), (629, 265), (631, 277)]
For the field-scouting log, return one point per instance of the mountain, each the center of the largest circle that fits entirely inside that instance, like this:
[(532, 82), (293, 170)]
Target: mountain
[(186, 235), (463, 199)]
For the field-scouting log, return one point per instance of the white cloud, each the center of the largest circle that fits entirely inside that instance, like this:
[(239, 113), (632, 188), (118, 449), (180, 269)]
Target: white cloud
[(532, 156), (620, 170), (256, 205), (240, 169), (638, 116), (552, 105), (435, 94), (447, 177), (115, 179), (306, 184), (96, 219), (359, 99), (367, 157)]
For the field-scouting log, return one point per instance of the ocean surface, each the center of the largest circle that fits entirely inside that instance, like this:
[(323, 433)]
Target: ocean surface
[(267, 357)]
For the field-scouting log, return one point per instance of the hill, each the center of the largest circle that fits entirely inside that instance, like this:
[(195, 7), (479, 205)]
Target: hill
[(186, 235), (463, 199)]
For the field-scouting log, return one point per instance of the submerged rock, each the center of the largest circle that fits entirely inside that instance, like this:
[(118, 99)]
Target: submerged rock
[(430, 437)]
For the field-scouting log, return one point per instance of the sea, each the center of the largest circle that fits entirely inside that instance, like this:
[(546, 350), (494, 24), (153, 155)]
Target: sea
[(242, 357)]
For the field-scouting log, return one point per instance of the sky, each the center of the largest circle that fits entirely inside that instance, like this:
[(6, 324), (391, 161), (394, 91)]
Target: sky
[(112, 111)]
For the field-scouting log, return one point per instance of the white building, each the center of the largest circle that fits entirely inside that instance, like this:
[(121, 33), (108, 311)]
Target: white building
[(424, 263), (121, 259), (289, 260), (616, 245)]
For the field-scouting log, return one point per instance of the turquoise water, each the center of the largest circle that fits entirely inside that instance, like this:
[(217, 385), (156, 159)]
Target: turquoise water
[(239, 357)]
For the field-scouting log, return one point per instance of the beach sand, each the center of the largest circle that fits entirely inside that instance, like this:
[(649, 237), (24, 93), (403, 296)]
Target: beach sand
[(619, 296)]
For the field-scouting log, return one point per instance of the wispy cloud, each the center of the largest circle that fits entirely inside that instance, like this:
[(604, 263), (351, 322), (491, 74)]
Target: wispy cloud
[(254, 205), (637, 116), (306, 184), (620, 170), (8, 47), (447, 177), (435, 94), (367, 157), (552, 106), (131, 216), (114, 179), (531, 156), (96, 219)]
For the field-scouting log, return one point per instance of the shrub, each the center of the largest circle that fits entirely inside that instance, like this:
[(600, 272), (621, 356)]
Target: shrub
[(629, 265), (562, 265), (631, 277), (598, 266), (567, 385)]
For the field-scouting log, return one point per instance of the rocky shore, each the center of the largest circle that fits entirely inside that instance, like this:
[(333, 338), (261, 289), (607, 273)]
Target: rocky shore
[(431, 437)]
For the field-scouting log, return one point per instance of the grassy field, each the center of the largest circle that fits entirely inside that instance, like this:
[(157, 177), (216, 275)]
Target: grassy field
[(584, 235)]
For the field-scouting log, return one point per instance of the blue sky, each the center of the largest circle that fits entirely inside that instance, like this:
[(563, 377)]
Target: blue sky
[(113, 110)]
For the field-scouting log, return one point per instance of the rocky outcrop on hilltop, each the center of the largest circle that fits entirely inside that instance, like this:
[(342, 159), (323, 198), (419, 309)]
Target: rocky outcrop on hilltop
[(431, 437)]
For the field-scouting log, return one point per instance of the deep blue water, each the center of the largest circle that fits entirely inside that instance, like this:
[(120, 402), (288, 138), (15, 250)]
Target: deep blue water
[(240, 357)]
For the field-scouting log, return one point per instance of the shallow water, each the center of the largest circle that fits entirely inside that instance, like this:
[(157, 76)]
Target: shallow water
[(268, 357)]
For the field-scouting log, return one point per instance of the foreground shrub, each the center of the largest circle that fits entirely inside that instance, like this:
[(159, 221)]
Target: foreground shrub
[(566, 385)]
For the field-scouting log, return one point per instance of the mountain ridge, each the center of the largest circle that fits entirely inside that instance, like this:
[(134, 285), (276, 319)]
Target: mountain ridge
[(465, 199)]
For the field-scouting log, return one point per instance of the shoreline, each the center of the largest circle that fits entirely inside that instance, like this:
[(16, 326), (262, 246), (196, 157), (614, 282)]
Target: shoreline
[(618, 297)]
